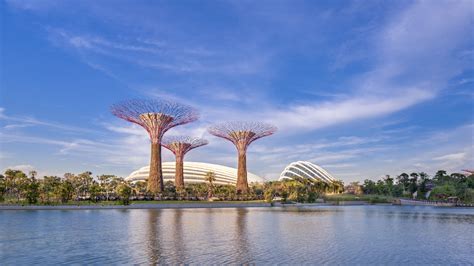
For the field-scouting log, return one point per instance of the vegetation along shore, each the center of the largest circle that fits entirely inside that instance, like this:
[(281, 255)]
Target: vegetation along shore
[(108, 191)]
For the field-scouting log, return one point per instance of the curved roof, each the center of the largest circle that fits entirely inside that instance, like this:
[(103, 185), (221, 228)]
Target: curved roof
[(194, 172), (306, 170)]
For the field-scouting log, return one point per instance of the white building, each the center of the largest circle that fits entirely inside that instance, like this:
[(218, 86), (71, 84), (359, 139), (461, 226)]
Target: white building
[(194, 172), (306, 170)]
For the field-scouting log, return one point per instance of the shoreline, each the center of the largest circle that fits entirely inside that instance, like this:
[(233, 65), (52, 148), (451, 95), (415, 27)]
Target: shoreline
[(136, 206), (204, 205), (197, 205)]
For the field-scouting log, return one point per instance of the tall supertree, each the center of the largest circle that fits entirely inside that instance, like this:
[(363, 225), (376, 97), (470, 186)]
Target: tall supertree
[(241, 134), (179, 146), (156, 116)]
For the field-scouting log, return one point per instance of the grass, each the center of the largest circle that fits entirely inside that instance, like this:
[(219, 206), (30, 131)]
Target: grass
[(368, 198)]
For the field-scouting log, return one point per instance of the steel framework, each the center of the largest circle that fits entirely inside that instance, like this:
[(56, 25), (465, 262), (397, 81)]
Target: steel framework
[(179, 146), (242, 134), (156, 116)]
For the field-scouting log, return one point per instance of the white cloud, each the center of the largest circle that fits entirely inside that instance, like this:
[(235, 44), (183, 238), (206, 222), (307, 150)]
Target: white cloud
[(412, 58), (415, 58), (314, 116), (25, 121), (451, 157)]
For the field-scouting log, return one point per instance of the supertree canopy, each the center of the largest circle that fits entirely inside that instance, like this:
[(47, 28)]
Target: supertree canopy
[(179, 146), (156, 116), (241, 134)]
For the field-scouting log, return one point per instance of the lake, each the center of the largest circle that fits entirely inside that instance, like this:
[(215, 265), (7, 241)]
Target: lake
[(289, 235)]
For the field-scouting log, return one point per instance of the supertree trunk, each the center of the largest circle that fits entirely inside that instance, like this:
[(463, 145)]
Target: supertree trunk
[(179, 176), (180, 145), (241, 134), (155, 179), (242, 183), (156, 117)]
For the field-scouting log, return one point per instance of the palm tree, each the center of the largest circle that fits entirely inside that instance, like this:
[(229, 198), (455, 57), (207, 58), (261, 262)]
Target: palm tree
[(210, 177)]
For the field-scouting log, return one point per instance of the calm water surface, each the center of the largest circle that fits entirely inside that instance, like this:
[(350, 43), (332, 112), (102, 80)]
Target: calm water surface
[(323, 235)]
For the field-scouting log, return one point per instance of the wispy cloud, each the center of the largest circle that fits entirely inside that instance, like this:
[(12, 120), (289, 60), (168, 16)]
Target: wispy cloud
[(154, 54), (405, 50), (320, 115), (307, 68), (25, 121), (451, 157)]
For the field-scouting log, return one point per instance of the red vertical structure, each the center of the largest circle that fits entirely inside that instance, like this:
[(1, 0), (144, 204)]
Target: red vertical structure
[(241, 134), (156, 116), (179, 146)]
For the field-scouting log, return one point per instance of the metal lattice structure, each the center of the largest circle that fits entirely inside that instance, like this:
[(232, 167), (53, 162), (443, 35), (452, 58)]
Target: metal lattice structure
[(179, 146), (242, 134), (306, 170), (156, 116)]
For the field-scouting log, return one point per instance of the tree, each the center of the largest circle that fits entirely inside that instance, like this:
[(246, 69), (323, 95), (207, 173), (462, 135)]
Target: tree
[(369, 187), (32, 191), (84, 182), (389, 185), (423, 184), (139, 188), (443, 192), (16, 182), (49, 188), (3, 188), (404, 180), (413, 186), (179, 146), (65, 190), (94, 191), (156, 116), (124, 191), (242, 134), (210, 177), (105, 184), (440, 177)]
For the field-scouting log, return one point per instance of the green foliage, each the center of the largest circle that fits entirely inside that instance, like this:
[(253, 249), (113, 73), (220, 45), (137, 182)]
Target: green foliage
[(441, 186), (16, 187), (32, 191), (65, 191), (124, 191), (443, 192), (3, 188)]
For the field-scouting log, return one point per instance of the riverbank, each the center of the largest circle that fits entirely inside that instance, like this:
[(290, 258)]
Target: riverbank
[(179, 205), (372, 199), (142, 205)]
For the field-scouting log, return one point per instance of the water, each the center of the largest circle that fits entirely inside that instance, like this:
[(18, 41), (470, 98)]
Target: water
[(322, 235)]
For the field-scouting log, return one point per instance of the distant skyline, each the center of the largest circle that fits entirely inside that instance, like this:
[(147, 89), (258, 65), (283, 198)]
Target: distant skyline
[(361, 88)]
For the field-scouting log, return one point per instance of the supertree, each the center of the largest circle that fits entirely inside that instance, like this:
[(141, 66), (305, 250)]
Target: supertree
[(179, 146), (241, 134), (156, 116)]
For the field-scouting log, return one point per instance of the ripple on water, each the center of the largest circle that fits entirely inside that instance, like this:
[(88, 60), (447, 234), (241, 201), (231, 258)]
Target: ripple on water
[(308, 235)]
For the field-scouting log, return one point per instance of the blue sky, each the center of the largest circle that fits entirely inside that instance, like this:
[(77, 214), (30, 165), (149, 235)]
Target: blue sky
[(363, 88)]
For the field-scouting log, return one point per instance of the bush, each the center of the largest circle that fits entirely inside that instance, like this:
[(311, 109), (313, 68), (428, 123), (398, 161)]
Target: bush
[(443, 192), (124, 191)]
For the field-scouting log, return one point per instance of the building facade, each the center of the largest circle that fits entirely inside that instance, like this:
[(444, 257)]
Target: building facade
[(307, 170), (195, 172)]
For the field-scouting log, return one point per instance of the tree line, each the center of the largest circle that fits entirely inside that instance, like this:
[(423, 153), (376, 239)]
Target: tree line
[(419, 185), (17, 187)]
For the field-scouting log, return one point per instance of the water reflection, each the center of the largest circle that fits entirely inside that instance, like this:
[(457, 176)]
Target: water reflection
[(177, 233), (154, 244), (242, 247), (326, 235)]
